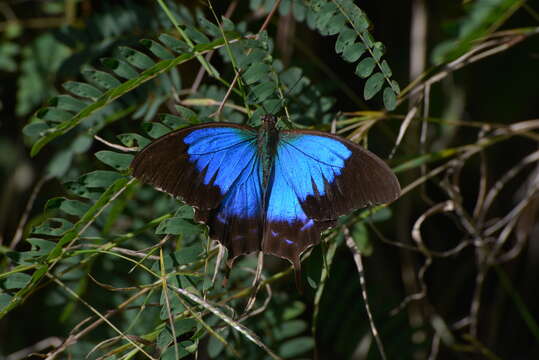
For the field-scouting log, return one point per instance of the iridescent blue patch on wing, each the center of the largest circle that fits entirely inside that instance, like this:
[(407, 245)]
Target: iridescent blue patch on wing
[(308, 159), (284, 204), (244, 199), (223, 153)]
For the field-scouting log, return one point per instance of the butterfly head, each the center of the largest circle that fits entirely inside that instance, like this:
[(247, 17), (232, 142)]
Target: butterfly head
[(269, 122)]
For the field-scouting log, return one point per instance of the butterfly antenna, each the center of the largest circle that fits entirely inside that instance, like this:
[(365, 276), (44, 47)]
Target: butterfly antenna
[(284, 97)]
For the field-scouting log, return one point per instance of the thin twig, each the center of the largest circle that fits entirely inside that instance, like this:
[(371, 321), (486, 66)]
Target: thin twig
[(359, 264), (116, 146), (234, 324), (237, 74), (24, 218), (102, 318)]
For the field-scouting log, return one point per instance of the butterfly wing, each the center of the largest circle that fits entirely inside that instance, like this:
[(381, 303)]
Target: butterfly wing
[(335, 175), (216, 169), (316, 178)]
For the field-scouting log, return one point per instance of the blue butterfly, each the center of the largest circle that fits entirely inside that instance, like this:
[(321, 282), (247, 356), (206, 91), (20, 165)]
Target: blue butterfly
[(265, 189)]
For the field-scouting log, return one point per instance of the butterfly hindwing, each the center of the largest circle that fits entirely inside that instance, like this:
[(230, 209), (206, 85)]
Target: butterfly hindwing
[(237, 222), (289, 231), (216, 169)]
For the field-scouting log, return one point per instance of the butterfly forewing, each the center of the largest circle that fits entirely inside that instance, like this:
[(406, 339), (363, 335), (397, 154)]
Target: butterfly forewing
[(337, 175), (237, 222)]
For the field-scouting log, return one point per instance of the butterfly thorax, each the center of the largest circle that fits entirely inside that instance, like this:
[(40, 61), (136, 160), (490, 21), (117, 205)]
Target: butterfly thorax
[(268, 137)]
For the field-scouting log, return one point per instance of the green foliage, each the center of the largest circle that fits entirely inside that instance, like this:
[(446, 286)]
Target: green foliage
[(8, 51), (44, 55), (101, 245), (96, 200), (344, 18), (354, 41)]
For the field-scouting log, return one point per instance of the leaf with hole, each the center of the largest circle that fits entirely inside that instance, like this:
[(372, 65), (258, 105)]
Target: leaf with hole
[(66, 102), (82, 90), (68, 206), (365, 67), (53, 114), (120, 68), (390, 99), (336, 24), (155, 130), (172, 121), (353, 52), (133, 140), (53, 227), (157, 49), (346, 38), (378, 50), (136, 58), (185, 212), (384, 66), (78, 189), (187, 114), (173, 43), (373, 85), (35, 128), (40, 247), (100, 78)]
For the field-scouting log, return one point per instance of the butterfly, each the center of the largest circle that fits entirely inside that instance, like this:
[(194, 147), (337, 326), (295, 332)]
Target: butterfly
[(265, 190)]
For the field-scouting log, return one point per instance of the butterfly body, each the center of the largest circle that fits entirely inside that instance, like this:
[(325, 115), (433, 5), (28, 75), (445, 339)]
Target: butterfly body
[(265, 190)]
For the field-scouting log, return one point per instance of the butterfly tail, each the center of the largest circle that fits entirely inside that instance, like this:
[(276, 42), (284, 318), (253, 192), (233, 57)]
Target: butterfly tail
[(297, 274), (290, 240)]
